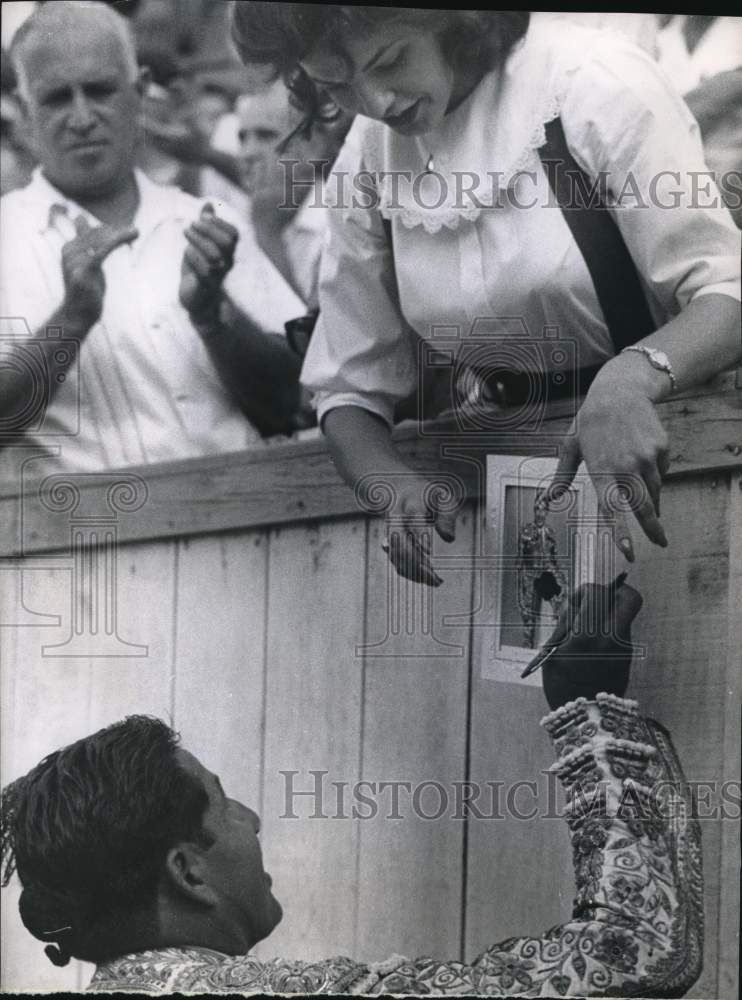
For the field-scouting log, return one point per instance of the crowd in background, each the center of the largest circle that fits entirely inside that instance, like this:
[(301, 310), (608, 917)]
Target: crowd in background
[(215, 130), (209, 128)]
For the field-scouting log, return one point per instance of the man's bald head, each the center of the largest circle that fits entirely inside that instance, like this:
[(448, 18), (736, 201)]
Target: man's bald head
[(61, 17), (79, 86)]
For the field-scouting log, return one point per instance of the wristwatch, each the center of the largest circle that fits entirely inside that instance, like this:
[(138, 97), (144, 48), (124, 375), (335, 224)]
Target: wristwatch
[(657, 359)]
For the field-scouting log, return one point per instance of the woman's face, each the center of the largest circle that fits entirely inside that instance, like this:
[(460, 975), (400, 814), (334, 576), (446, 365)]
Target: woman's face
[(396, 74)]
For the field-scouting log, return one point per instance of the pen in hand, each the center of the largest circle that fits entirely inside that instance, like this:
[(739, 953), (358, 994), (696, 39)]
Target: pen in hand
[(550, 648)]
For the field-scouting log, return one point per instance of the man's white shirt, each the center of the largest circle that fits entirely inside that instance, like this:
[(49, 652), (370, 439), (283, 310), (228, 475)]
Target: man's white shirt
[(144, 388)]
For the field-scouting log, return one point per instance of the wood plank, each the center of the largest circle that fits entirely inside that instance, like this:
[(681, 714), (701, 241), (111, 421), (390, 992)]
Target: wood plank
[(295, 481), (694, 715), (316, 596), (729, 903), (684, 626), (684, 621), (56, 698), (220, 656), (415, 722), (40, 712), (519, 871), (142, 684), (519, 874)]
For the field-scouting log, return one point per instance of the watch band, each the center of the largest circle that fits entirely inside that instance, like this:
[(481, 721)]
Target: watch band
[(657, 359)]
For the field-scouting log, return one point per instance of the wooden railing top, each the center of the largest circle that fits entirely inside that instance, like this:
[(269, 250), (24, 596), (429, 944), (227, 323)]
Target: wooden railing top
[(291, 481)]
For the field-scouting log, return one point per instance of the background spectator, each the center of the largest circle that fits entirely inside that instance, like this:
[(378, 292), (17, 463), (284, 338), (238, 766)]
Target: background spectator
[(164, 300), (285, 185)]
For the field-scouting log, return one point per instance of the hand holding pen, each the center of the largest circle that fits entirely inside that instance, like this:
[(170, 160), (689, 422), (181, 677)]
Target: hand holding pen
[(590, 650)]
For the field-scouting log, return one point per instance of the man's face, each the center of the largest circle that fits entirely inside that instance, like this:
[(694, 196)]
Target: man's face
[(264, 122), (82, 110), (234, 860), (209, 107), (396, 74)]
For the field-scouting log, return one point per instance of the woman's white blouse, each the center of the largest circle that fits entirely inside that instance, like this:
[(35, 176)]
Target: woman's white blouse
[(492, 256)]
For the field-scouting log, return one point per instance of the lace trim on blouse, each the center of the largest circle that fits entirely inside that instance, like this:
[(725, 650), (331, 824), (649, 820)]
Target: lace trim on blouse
[(491, 135)]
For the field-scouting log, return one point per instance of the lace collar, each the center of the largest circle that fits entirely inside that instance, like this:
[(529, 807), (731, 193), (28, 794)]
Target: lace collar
[(480, 148)]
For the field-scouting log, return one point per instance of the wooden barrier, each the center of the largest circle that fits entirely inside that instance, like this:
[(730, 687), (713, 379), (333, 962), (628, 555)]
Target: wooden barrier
[(251, 602)]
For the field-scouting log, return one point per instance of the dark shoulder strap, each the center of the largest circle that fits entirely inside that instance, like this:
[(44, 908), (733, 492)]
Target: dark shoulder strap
[(599, 239)]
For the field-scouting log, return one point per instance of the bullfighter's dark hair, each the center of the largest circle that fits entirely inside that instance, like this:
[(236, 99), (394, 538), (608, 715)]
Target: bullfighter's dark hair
[(88, 829)]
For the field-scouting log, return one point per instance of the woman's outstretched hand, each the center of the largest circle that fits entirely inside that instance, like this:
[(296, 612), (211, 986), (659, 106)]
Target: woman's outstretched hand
[(417, 510), (413, 506), (619, 436)]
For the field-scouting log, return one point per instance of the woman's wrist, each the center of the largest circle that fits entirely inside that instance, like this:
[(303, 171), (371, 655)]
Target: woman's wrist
[(631, 374)]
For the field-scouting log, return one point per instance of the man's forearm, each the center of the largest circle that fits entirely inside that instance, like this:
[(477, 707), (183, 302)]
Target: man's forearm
[(17, 384), (258, 369)]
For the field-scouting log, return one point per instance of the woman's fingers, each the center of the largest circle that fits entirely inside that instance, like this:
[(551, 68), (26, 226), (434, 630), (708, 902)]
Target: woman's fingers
[(663, 460), (636, 494), (646, 515), (409, 531), (570, 457), (653, 480), (410, 558), (445, 525), (612, 506)]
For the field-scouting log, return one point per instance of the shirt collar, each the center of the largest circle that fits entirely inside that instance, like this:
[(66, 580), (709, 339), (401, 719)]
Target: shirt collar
[(140, 965), (46, 205)]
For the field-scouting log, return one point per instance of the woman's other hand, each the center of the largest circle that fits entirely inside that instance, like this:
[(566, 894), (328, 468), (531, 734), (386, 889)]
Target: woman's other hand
[(416, 510), (619, 436)]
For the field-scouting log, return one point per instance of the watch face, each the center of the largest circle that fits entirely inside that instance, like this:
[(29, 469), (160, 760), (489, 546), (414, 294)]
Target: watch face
[(659, 358)]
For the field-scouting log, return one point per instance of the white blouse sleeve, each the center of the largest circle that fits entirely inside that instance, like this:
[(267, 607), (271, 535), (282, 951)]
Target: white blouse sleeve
[(621, 116), (362, 351)]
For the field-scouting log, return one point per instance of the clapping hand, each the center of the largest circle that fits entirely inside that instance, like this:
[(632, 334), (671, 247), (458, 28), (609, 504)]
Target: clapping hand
[(82, 269), (207, 260)]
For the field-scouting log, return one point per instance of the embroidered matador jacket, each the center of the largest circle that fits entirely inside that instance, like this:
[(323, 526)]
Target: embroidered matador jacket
[(637, 924)]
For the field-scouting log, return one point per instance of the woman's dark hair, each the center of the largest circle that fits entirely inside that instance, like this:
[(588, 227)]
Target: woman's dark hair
[(278, 35), (88, 830)]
